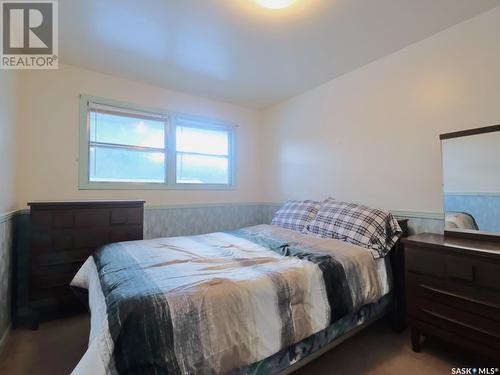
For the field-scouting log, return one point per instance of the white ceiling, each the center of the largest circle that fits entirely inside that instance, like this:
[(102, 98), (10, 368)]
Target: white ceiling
[(236, 51)]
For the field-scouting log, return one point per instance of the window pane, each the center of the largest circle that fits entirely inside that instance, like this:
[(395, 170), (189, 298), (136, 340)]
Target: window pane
[(107, 128), (201, 169), (202, 141), (115, 165)]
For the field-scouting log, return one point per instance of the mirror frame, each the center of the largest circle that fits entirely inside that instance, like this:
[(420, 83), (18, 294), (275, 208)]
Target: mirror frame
[(464, 233)]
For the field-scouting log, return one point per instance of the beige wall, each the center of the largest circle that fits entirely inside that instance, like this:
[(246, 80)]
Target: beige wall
[(372, 135), (49, 125), (8, 110), (369, 136)]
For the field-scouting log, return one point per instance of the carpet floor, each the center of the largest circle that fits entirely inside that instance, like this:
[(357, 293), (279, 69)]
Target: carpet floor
[(56, 347)]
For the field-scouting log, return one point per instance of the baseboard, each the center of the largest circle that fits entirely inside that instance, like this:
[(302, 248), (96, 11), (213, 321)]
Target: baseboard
[(4, 339)]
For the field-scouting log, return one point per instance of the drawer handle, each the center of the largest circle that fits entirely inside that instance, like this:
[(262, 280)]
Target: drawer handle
[(451, 320), (469, 299)]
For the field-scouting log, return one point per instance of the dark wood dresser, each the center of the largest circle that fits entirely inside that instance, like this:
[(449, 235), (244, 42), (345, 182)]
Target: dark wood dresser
[(62, 236), (453, 291)]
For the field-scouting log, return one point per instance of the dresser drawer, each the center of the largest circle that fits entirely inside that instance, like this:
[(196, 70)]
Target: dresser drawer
[(454, 268), (92, 217), (468, 325), (41, 220), (126, 233), (40, 241), (467, 316), (92, 237), (481, 302), (55, 275), (62, 257), (129, 216), (57, 302), (58, 291), (62, 219)]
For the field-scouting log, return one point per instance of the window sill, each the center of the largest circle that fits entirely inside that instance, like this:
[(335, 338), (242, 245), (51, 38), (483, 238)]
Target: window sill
[(151, 186)]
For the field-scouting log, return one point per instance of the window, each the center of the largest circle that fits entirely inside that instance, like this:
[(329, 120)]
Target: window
[(124, 147), (202, 155)]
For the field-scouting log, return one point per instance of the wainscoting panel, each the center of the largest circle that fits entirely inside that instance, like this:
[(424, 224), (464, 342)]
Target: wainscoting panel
[(180, 221), (5, 273)]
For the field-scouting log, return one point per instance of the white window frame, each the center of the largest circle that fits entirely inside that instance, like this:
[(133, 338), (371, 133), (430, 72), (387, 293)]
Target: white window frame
[(172, 119)]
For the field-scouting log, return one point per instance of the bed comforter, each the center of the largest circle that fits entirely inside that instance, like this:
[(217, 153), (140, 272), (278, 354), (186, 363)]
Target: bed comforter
[(213, 303)]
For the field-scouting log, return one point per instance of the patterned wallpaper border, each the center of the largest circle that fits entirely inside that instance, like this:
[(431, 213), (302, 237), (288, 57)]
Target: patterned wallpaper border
[(263, 211)]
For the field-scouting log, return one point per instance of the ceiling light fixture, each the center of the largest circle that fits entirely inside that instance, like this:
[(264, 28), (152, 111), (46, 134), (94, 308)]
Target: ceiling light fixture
[(275, 4)]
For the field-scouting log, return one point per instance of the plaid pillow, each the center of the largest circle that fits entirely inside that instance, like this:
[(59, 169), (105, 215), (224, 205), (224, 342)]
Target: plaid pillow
[(364, 226), (295, 215)]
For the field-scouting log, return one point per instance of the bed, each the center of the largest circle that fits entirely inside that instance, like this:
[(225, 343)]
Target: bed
[(259, 300)]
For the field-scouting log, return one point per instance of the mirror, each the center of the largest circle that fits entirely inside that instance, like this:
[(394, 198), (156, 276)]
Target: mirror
[(471, 180)]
